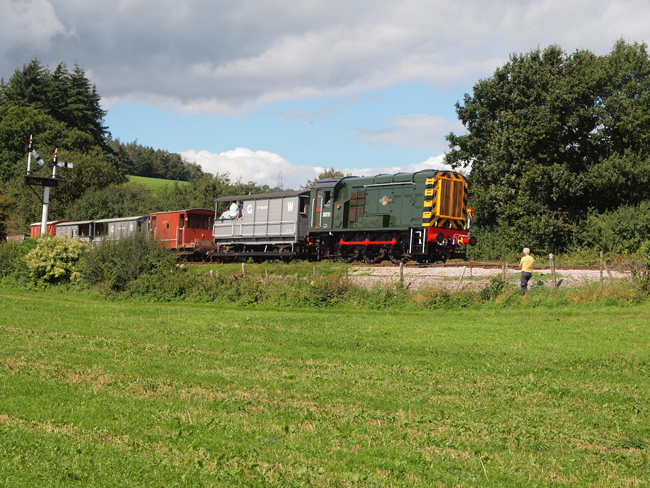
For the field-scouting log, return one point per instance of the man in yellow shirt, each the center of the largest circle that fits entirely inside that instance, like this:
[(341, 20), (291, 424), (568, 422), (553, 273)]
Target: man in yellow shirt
[(526, 265)]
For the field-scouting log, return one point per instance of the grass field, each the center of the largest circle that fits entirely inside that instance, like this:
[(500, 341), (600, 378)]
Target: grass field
[(101, 393), (154, 184)]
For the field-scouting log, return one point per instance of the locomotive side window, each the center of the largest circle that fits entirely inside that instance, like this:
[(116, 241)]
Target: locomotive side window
[(181, 223), (153, 224)]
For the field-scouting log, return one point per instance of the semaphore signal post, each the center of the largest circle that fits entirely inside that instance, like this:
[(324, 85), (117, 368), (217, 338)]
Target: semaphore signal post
[(44, 181)]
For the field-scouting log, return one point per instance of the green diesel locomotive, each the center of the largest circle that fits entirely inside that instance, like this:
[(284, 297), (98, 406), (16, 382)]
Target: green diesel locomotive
[(419, 216)]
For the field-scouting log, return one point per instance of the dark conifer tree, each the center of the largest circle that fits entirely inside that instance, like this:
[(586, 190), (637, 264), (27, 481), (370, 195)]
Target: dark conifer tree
[(67, 96)]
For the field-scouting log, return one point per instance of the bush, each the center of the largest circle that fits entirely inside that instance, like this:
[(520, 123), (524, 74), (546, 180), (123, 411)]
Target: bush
[(11, 259), (55, 260), (492, 243), (645, 254), (115, 264), (620, 230)]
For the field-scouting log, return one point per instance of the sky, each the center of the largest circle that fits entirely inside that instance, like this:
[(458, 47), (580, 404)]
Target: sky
[(277, 90)]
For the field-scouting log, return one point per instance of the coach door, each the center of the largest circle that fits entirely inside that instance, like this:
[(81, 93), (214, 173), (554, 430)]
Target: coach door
[(180, 239)]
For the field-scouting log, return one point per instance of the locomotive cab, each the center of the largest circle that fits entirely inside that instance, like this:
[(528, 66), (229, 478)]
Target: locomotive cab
[(323, 205)]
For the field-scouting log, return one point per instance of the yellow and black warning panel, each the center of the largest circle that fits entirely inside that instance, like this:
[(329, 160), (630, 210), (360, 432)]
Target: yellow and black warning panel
[(445, 200), (429, 199)]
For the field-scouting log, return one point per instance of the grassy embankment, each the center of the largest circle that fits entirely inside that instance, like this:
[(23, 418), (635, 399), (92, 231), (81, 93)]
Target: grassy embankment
[(131, 394), (154, 184)]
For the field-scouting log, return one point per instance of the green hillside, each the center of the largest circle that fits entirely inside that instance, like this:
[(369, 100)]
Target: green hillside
[(154, 184)]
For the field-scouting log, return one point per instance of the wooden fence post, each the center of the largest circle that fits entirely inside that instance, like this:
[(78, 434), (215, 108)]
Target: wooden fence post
[(346, 273), (243, 269), (314, 270), (551, 260), (470, 268), (266, 274), (504, 271), (401, 272)]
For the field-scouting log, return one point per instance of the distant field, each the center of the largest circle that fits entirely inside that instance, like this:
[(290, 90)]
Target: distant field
[(154, 184), (108, 393)]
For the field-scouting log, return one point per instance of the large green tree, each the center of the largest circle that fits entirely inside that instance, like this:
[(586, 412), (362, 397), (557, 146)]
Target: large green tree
[(65, 95), (113, 201), (554, 137)]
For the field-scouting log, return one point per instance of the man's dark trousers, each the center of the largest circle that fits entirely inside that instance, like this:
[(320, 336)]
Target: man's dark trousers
[(524, 281)]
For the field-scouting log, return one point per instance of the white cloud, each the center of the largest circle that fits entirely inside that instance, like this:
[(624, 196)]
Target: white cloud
[(219, 56), (263, 167), (421, 131), (434, 162)]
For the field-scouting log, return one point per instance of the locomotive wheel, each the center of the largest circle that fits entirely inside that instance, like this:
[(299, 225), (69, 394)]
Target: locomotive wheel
[(347, 254), (372, 256), (397, 253)]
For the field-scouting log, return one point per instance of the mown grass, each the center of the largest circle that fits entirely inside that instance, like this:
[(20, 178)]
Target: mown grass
[(98, 393)]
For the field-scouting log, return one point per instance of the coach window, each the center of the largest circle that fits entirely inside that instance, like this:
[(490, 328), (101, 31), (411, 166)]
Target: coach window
[(182, 221), (153, 224)]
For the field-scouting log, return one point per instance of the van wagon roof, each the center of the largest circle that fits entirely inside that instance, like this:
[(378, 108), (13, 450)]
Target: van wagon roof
[(258, 196)]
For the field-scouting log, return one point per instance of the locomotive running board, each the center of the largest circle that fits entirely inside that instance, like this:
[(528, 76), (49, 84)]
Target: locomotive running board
[(367, 242)]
